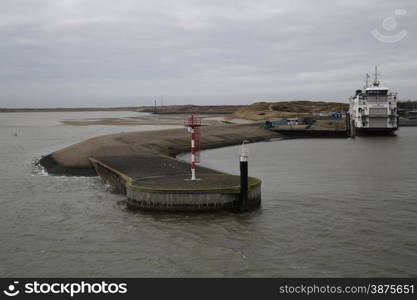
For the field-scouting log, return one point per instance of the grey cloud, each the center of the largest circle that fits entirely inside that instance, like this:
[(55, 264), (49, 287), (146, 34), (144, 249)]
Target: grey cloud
[(101, 52)]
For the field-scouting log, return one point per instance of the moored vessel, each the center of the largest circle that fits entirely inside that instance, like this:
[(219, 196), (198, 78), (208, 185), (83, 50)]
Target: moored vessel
[(373, 110)]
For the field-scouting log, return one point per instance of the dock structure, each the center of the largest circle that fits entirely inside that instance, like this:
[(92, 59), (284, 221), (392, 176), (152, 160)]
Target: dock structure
[(143, 166), (158, 182), (320, 129)]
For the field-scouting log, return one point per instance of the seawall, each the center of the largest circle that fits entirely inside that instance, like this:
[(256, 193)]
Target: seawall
[(158, 182), (74, 160), (141, 165)]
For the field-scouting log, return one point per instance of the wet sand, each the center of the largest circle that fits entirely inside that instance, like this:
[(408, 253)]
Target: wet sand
[(156, 119)]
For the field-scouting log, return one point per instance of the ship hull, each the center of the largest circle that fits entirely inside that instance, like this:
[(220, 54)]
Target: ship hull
[(374, 131)]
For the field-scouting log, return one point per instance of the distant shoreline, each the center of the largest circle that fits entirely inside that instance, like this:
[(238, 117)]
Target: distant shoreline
[(168, 109), (74, 109)]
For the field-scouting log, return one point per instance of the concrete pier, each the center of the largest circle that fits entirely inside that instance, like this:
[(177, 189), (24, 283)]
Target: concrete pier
[(157, 182), (213, 192), (141, 165), (320, 129)]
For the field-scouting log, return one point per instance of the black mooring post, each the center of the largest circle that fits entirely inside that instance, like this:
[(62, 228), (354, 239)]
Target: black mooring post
[(243, 184), (243, 201)]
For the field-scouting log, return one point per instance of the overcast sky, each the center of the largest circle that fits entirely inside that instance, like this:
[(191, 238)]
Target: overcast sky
[(62, 53)]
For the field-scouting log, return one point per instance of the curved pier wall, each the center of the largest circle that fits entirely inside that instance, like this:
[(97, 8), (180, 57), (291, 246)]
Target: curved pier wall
[(117, 182), (166, 195), (202, 200)]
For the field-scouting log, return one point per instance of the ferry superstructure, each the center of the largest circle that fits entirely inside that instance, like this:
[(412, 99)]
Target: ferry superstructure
[(373, 110)]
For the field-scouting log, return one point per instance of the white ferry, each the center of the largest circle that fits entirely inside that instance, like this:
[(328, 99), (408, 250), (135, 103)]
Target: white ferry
[(373, 110)]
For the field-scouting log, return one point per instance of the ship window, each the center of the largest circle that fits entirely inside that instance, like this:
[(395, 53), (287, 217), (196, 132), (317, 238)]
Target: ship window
[(377, 92)]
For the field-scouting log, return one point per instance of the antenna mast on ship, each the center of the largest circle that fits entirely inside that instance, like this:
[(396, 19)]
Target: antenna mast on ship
[(376, 81)]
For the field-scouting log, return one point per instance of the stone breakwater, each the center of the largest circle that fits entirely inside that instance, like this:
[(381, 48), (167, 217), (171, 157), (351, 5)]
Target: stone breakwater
[(142, 166), (74, 160)]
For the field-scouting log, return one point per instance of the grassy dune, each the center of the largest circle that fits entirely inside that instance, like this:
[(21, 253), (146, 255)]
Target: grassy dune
[(286, 109)]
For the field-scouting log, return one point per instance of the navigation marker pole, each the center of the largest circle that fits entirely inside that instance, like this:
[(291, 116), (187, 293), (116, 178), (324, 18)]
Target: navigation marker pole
[(193, 125), (192, 153)]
